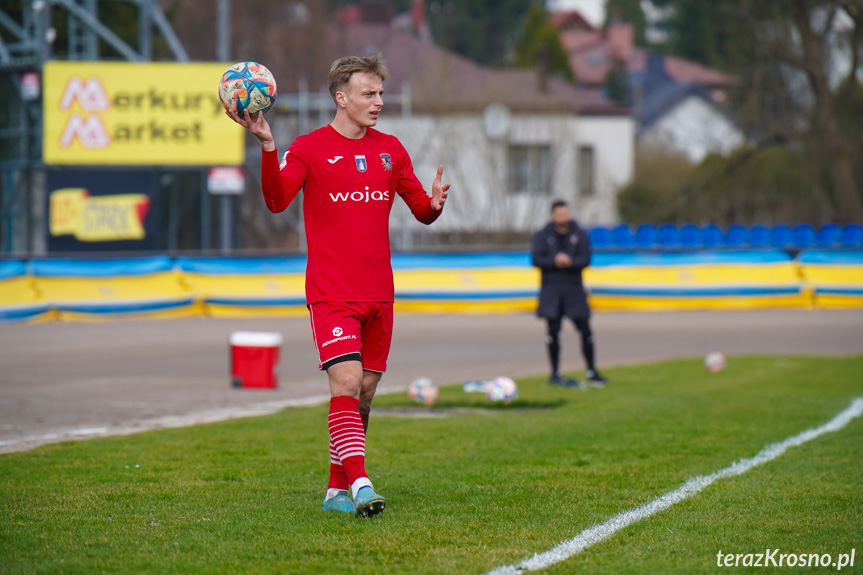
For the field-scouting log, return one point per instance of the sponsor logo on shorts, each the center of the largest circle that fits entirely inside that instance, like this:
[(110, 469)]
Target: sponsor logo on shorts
[(338, 335), (335, 339)]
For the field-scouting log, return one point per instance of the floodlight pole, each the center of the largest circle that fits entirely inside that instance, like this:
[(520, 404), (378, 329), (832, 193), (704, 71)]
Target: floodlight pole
[(223, 30), (223, 54)]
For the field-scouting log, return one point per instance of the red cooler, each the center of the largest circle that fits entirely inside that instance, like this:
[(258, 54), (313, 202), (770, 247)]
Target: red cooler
[(254, 356)]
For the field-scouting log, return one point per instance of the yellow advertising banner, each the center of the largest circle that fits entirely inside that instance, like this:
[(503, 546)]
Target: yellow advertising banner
[(128, 113), (97, 218)]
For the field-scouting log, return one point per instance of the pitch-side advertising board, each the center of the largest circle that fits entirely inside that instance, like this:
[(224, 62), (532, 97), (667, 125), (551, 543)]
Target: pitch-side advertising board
[(102, 209)]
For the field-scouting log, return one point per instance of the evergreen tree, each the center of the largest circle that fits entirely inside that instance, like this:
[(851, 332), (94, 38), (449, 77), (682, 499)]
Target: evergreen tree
[(540, 40), (481, 30)]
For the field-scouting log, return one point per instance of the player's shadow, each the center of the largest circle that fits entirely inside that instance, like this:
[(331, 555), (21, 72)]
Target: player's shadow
[(467, 406), (516, 404)]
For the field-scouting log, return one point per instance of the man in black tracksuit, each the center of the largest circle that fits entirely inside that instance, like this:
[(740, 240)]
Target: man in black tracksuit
[(561, 250)]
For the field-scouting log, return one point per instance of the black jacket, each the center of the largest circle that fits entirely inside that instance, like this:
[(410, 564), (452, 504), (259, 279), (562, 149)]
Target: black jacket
[(562, 291)]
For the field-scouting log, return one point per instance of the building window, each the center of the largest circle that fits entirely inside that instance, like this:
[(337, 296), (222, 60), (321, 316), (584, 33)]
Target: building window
[(586, 171), (529, 169)]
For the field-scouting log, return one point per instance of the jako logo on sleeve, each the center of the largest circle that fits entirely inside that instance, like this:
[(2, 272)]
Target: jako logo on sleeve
[(358, 196)]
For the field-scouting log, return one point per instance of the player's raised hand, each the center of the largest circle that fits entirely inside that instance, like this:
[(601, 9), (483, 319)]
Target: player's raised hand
[(439, 192), (259, 127)]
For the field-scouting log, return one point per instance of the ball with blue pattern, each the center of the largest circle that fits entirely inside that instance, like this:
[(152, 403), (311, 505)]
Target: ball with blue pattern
[(252, 83)]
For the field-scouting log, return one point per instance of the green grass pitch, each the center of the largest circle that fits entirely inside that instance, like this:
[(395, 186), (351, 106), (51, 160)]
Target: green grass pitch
[(479, 487)]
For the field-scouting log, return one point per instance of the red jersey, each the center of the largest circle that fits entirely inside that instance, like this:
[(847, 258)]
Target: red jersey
[(348, 191)]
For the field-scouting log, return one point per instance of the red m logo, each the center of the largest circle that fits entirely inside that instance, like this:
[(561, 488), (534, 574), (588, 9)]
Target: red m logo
[(90, 94)]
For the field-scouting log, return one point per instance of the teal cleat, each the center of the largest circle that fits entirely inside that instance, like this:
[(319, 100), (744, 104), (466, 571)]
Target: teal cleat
[(340, 503), (368, 502)]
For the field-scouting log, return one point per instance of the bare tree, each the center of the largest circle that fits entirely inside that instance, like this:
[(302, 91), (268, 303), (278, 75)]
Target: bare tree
[(810, 58), (794, 58)]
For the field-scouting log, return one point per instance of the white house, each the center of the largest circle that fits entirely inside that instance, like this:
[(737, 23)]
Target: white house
[(694, 126), (682, 116)]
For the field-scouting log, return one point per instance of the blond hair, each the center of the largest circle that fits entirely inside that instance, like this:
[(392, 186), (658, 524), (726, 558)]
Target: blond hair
[(343, 68)]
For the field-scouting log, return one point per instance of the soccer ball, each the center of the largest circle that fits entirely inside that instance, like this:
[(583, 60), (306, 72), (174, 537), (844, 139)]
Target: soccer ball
[(423, 390), (501, 390), (253, 84), (714, 361)]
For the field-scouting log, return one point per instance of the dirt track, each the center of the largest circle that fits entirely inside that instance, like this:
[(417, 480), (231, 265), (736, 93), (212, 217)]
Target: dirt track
[(74, 380)]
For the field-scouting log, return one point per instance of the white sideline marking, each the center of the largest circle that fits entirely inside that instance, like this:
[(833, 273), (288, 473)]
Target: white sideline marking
[(692, 486), (172, 421)]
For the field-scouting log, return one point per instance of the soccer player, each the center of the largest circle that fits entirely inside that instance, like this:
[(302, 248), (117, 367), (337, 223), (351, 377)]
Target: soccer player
[(561, 250), (350, 174)]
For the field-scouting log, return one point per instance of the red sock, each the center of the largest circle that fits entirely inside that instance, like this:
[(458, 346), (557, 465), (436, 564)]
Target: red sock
[(364, 415), (346, 435), (338, 479)]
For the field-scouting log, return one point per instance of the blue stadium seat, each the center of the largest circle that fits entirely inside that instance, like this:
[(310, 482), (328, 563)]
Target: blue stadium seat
[(829, 235), (646, 236), (852, 236), (804, 235), (736, 236), (712, 236), (600, 237), (669, 235), (690, 236), (759, 236), (781, 236), (622, 236)]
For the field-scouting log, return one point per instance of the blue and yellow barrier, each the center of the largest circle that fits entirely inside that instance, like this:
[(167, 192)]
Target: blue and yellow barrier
[(76, 289), (19, 299), (465, 283), (95, 289), (246, 287), (719, 280), (834, 277)]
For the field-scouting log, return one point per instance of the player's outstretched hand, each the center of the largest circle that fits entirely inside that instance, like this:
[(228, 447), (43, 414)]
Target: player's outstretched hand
[(259, 127), (439, 192)]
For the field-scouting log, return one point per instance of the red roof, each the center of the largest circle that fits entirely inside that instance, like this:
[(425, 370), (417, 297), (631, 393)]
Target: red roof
[(593, 53)]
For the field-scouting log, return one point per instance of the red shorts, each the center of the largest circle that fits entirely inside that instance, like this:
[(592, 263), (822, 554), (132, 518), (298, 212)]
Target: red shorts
[(352, 331)]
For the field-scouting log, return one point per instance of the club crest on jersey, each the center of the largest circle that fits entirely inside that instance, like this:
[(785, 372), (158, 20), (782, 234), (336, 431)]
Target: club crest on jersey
[(362, 166), (387, 162)]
